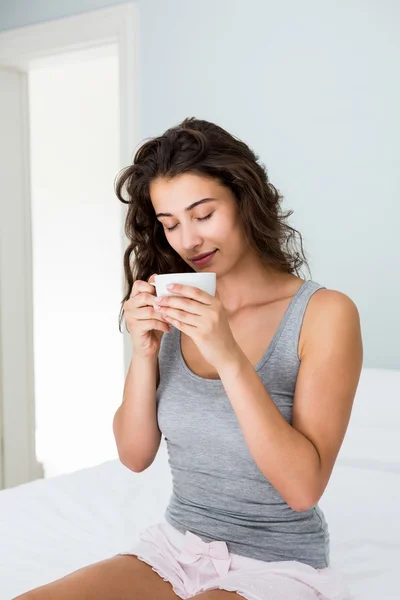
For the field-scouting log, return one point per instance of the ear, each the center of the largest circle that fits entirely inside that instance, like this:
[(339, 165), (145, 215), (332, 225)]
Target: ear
[(151, 278)]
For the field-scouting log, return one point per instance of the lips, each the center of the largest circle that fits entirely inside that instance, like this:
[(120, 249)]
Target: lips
[(201, 256)]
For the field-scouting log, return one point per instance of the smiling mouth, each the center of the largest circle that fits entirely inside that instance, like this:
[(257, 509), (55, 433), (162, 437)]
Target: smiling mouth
[(202, 256)]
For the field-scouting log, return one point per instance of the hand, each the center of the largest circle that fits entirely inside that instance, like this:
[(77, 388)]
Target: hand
[(203, 318), (145, 325)]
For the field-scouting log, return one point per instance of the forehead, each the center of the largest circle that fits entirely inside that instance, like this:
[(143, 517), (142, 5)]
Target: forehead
[(173, 195)]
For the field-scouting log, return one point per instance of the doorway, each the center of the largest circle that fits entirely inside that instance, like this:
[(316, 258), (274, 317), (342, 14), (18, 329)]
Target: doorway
[(63, 365), (76, 257)]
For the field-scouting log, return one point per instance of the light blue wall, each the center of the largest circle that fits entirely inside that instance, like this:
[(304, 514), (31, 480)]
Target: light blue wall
[(312, 86), (18, 13)]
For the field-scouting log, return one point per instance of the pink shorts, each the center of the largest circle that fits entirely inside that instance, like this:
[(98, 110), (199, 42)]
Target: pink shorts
[(193, 566)]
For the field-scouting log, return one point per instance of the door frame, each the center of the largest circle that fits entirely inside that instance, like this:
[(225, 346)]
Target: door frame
[(21, 49)]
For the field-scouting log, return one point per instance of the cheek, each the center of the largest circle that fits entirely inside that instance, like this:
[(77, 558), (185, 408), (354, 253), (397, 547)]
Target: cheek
[(224, 228), (170, 240), (173, 244)]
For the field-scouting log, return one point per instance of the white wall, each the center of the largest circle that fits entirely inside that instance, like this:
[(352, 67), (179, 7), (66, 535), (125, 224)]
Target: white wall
[(312, 86), (77, 258)]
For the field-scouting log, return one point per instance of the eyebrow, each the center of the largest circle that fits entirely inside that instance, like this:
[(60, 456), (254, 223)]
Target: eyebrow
[(190, 207)]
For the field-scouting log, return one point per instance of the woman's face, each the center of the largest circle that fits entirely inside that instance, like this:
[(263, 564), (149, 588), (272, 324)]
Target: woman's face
[(199, 216)]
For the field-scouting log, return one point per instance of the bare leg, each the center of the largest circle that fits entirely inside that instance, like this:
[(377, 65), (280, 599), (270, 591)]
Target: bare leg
[(122, 577)]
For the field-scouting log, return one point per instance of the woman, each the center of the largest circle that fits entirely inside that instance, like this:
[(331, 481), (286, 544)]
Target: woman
[(252, 388)]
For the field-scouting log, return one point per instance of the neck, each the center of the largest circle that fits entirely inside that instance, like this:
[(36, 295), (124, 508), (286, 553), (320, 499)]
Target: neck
[(251, 283)]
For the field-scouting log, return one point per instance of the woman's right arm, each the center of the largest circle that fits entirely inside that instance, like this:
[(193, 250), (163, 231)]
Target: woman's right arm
[(135, 424)]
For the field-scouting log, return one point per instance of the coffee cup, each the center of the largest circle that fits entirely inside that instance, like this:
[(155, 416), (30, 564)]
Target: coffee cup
[(204, 281)]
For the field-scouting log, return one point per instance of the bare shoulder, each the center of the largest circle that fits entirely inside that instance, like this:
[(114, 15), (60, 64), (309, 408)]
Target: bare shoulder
[(330, 314), (332, 301)]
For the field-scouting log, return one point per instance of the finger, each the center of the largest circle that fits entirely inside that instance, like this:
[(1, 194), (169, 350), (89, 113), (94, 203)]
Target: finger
[(135, 289), (150, 324), (190, 291), (152, 283), (147, 312), (151, 278), (180, 315), (187, 329), (181, 302), (143, 299), (141, 286), (160, 326), (147, 322)]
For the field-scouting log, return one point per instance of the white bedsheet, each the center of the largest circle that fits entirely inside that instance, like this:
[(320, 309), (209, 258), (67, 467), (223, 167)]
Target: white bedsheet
[(49, 528)]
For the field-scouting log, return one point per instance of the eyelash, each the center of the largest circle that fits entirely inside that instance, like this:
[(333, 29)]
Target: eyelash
[(202, 219)]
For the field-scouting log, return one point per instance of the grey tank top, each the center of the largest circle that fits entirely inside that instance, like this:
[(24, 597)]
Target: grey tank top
[(218, 491)]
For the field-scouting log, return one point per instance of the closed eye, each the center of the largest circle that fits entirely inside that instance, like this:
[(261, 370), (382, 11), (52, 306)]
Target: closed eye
[(199, 219)]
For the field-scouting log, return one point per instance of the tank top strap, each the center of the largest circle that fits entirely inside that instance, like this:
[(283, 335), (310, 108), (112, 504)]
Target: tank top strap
[(287, 346)]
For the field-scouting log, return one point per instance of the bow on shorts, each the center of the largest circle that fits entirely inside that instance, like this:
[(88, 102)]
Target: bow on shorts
[(217, 551)]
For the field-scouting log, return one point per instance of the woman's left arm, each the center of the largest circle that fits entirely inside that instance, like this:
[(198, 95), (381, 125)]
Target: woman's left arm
[(298, 459)]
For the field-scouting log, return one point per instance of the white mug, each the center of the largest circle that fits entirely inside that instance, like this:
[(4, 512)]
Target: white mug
[(205, 281)]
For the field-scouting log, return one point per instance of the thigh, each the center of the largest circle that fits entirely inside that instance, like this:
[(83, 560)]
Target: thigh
[(117, 578)]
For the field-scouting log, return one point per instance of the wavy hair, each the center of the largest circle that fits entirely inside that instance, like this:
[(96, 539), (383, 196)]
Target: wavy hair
[(200, 147)]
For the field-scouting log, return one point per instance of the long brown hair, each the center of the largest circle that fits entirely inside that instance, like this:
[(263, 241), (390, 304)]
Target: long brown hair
[(201, 147)]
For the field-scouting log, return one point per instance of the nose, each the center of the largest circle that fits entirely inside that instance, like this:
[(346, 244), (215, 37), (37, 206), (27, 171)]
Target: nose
[(190, 238)]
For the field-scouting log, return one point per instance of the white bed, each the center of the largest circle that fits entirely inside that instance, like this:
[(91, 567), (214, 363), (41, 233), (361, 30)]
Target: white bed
[(49, 528)]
